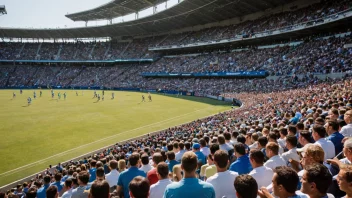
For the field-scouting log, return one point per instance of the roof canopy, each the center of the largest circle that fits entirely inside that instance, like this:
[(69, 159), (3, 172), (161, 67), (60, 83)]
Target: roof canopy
[(185, 14)]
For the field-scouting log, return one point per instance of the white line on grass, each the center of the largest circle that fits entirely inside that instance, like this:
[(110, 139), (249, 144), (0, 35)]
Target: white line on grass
[(10, 172)]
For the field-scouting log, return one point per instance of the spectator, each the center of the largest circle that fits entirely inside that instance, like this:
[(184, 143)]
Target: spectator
[(335, 137), (122, 165), (171, 160), (319, 137), (80, 191), (260, 173), (157, 190), (99, 189), (346, 131), (57, 182), (305, 138), (272, 152), (139, 187), (126, 177), (176, 173), (246, 186), (291, 154), (189, 186), (152, 174), (41, 193), (204, 148), (113, 176), (52, 192), (210, 170), (92, 170), (242, 164), (31, 193), (199, 154), (223, 145), (316, 180), (179, 155), (285, 181), (67, 188), (223, 176), (145, 163), (344, 180)]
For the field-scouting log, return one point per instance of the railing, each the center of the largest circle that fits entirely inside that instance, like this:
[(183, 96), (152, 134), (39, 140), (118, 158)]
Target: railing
[(327, 19)]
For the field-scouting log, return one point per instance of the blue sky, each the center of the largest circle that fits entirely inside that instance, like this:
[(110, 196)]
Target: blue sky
[(51, 13)]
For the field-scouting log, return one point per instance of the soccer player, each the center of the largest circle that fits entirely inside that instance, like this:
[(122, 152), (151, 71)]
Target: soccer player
[(34, 95), (40, 93), (112, 95), (76, 93), (20, 91), (13, 95), (103, 92), (59, 95), (95, 93), (52, 94), (98, 97), (102, 97), (150, 97), (143, 98), (29, 100), (65, 95)]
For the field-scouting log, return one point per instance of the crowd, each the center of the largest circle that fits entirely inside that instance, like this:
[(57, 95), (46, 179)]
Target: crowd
[(289, 139), (138, 47)]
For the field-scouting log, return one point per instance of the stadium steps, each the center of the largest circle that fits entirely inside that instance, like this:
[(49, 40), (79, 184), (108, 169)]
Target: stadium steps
[(19, 53), (9, 76), (78, 74), (32, 77), (124, 50), (159, 43), (107, 51), (38, 50), (59, 52), (92, 51)]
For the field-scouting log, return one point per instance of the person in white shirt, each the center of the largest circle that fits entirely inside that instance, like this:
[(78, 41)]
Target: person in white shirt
[(67, 188), (283, 133), (203, 147), (291, 143), (284, 184), (347, 129), (223, 176), (223, 146), (272, 137), (157, 190), (260, 173), (113, 176), (145, 163), (179, 155), (319, 137), (272, 152)]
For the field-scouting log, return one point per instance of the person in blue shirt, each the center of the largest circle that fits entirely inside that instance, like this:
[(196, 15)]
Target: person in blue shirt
[(190, 186), (242, 164), (57, 182), (127, 176), (92, 170), (171, 158), (200, 156), (41, 192), (335, 137)]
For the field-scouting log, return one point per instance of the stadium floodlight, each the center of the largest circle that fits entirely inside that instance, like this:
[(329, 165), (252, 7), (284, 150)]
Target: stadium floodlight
[(2, 10)]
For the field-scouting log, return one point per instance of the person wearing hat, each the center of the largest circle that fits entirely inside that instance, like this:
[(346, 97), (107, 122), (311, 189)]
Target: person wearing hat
[(199, 154)]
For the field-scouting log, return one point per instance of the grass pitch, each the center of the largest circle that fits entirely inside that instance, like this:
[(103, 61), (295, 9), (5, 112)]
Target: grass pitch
[(51, 131)]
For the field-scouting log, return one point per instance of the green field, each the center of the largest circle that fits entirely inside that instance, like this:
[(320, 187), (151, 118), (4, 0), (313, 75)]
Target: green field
[(50, 130)]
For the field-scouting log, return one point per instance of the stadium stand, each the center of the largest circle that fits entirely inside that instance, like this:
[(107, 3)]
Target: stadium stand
[(298, 115)]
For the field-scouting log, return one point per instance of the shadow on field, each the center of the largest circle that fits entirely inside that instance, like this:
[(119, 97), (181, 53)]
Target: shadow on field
[(199, 99), (25, 106)]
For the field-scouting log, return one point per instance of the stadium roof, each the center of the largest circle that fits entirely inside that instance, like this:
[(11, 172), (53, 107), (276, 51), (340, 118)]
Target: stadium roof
[(113, 9), (185, 14)]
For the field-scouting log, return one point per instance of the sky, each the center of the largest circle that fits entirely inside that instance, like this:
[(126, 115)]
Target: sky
[(51, 13)]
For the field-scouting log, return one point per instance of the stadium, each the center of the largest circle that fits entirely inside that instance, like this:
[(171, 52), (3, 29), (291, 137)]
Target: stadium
[(179, 98)]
